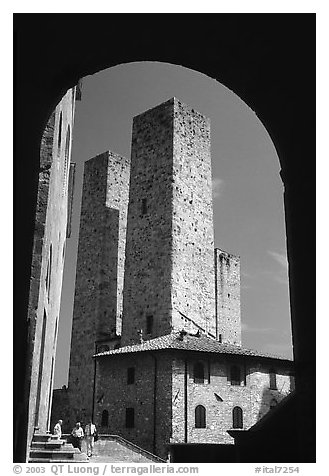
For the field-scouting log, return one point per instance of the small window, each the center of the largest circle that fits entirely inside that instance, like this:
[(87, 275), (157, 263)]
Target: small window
[(103, 348), (59, 137), (144, 206), (130, 417), (237, 417), (149, 324), (273, 403), (130, 375), (67, 155), (235, 375), (200, 417), (49, 265), (198, 372), (272, 373), (105, 418)]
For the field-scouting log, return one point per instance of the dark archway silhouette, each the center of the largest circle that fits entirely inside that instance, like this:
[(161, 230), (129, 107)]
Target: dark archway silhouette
[(268, 60)]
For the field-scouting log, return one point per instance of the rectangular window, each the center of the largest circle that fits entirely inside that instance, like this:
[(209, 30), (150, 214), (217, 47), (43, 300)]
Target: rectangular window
[(273, 385), (130, 417), (144, 206), (149, 324), (235, 375), (130, 375)]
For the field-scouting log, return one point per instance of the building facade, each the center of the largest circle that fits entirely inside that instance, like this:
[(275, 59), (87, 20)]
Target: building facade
[(52, 228), (183, 388), (173, 370)]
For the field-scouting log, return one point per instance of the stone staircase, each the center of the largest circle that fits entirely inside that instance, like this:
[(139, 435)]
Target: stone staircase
[(115, 449), (47, 448)]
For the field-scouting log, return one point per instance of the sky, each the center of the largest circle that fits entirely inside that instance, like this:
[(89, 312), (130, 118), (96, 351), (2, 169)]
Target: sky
[(247, 189)]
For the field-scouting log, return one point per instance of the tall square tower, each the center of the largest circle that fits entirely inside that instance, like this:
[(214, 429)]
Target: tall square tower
[(100, 270), (169, 270)]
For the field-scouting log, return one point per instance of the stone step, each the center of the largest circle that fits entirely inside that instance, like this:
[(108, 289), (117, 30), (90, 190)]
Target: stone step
[(58, 444), (47, 448), (80, 459), (54, 454), (45, 437), (41, 437)]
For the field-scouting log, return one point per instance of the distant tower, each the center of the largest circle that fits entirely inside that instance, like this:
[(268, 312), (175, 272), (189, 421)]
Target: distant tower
[(228, 309), (169, 271), (100, 268)]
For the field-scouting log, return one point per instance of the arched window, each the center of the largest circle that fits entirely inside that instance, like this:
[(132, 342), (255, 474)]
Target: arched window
[(105, 418), (198, 372), (200, 417), (235, 375), (237, 417), (272, 373)]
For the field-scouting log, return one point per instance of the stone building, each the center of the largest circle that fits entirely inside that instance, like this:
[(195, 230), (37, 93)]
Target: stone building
[(100, 267), (52, 228), (173, 371)]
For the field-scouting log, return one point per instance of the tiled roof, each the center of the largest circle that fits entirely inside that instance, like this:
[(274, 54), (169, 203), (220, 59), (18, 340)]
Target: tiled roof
[(188, 343)]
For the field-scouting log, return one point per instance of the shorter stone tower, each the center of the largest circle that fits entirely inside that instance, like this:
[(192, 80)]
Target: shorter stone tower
[(227, 288), (100, 269)]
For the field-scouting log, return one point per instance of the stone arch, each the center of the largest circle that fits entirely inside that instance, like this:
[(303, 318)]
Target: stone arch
[(273, 74)]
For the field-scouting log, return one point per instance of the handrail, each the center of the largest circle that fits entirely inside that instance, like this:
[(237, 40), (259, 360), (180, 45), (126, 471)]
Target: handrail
[(128, 444), (138, 448)]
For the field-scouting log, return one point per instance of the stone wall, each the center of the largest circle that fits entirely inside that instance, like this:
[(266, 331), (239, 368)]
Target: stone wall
[(48, 260), (169, 275), (100, 268), (60, 409), (219, 396), (228, 307), (149, 396), (193, 278), (172, 390)]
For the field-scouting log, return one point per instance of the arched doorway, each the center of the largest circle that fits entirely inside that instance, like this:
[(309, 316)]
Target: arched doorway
[(270, 72)]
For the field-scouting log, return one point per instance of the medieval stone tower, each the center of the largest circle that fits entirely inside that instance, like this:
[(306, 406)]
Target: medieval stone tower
[(169, 270), (156, 353), (100, 269), (146, 263)]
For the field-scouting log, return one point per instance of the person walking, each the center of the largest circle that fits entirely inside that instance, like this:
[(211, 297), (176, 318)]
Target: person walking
[(58, 429), (77, 435), (91, 436)]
